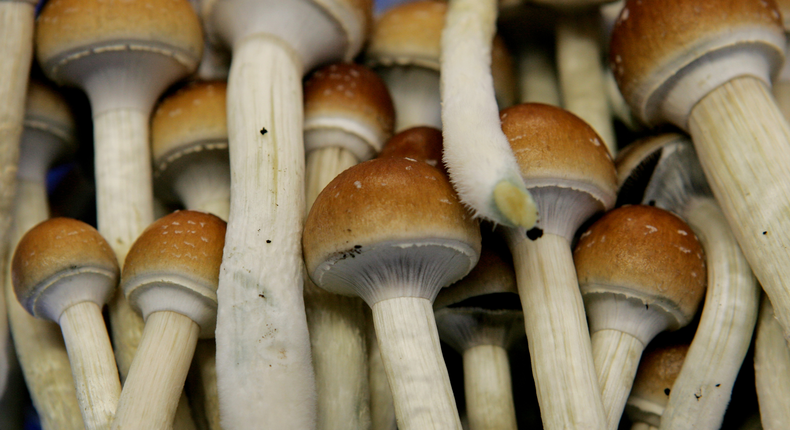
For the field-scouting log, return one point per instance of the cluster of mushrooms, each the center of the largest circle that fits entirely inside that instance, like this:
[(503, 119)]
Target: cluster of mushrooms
[(353, 187)]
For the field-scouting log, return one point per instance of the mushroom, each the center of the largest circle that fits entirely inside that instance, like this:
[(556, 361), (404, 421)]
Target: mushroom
[(393, 232), (170, 277), (124, 55), (568, 169), (481, 164), (664, 171), (64, 271), (781, 83), (653, 384), (480, 316), (641, 271), (49, 134), (771, 369), (705, 67)]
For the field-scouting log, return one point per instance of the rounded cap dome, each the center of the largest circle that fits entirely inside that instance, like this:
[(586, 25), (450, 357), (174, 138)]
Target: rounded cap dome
[(174, 266), (408, 34), (62, 262), (417, 143), (47, 110), (653, 383), (646, 253)]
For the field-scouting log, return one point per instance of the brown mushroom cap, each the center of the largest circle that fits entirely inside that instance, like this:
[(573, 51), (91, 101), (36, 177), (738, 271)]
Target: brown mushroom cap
[(47, 110), (70, 29), (657, 372), (57, 251), (182, 253), (630, 157), (418, 143), (352, 98), (382, 202), (784, 9), (647, 253), (657, 43)]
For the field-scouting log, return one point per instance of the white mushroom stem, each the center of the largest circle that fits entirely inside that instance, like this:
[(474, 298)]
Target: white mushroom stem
[(205, 186), (477, 153), (382, 407), (616, 361), (415, 95), (16, 50), (337, 323), (580, 72), (771, 370), (262, 336), (557, 332), (409, 342), (537, 76), (489, 394), (743, 143), (702, 390), (92, 363), (39, 344), (167, 334)]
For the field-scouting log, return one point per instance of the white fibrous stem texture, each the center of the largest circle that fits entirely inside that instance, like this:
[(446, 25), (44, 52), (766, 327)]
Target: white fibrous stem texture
[(489, 394), (264, 369), (16, 49), (616, 357), (482, 166), (556, 326), (92, 364), (336, 323), (124, 207), (152, 390), (39, 344), (743, 143), (702, 390), (415, 95), (409, 342), (382, 407), (771, 370), (581, 74)]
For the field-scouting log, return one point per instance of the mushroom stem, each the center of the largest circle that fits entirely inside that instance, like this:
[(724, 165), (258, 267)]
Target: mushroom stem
[(743, 142), (382, 407), (537, 76), (616, 361), (167, 334), (415, 94), (409, 342), (477, 153), (725, 329), (92, 363), (556, 326), (205, 186), (771, 370), (261, 281), (38, 343), (580, 72), (322, 165), (488, 389)]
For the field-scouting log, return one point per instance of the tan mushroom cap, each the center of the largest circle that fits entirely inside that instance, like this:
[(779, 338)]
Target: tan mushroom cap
[(73, 28), (55, 249), (418, 143), (630, 157), (185, 244), (653, 39), (353, 92), (385, 200), (191, 119), (784, 9), (643, 252), (657, 372), (552, 144), (47, 110), (355, 17)]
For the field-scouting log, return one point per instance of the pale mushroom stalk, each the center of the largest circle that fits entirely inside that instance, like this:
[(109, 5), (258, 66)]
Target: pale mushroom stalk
[(382, 406), (581, 78), (414, 92), (537, 75), (16, 48), (64, 271), (39, 344), (478, 157), (771, 369), (263, 345), (487, 386)]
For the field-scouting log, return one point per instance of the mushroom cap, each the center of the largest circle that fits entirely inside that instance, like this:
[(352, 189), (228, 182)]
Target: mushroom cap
[(391, 203), (350, 98), (630, 158), (657, 47), (181, 254), (645, 253), (784, 9), (47, 110), (51, 256), (70, 29), (418, 143), (658, 369)]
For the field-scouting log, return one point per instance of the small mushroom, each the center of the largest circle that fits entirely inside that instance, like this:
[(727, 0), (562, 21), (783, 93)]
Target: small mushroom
[(170, 277), (653, 385), (64, 271)]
